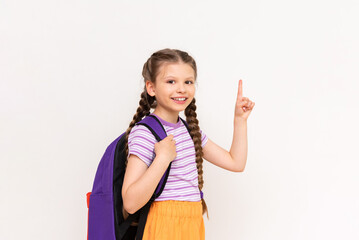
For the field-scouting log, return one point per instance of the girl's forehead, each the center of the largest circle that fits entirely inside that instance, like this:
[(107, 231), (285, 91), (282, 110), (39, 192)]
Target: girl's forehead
[(178, 70)]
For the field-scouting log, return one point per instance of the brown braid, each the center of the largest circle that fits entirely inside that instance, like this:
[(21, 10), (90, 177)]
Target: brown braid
[(150, 72), (143, 110), (191, 118)]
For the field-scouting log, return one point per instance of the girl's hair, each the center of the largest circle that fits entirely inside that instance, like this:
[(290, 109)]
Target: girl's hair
[(150, 72)]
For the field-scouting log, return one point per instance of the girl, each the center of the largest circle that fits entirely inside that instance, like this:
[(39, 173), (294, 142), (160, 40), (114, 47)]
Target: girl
[(169, 77)]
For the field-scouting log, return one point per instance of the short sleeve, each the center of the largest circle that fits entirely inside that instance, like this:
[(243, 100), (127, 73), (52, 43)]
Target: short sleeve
[(204, 138), (141, 142)]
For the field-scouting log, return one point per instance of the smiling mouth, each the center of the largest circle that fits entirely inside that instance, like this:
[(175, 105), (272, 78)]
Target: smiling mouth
[(179, 100)]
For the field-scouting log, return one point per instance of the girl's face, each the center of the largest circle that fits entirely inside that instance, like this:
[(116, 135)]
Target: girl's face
[(174, 82)]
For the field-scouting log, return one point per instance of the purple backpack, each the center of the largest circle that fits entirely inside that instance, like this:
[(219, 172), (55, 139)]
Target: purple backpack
[(105, 216)]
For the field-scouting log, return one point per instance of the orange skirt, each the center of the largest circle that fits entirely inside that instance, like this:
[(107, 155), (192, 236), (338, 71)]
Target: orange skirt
[(175, 220)]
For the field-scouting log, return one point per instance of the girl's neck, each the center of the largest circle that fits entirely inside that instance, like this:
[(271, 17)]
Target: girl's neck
[(171, 118)]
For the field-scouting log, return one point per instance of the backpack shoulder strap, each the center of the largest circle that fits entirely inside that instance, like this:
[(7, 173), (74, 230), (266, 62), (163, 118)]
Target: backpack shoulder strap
[(186, 124), (155, 126)]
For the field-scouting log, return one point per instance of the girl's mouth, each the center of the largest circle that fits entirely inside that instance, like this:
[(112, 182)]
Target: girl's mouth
[(179, 100)]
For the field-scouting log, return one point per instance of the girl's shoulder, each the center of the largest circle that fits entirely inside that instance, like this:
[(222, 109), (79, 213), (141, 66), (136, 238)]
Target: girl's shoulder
[(141, 132), (141, 142)]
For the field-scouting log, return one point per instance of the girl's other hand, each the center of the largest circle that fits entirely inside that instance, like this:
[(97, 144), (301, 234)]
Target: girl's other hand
[(244, 106), (166, 149)]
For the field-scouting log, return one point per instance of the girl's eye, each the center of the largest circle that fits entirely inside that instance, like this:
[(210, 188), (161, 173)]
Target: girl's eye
[(173, 81)]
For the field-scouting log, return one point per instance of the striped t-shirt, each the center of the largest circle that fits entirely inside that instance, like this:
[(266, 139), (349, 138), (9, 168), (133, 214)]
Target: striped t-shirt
[(182, 182)]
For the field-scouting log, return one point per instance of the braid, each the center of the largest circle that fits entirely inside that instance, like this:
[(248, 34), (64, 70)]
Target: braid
[(146, 102), (191, 118)]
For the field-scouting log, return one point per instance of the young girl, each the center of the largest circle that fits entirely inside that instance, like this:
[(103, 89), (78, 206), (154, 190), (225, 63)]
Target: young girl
[(169, 77)]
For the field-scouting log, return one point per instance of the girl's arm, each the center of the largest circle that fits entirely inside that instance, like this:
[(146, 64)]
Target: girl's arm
[(141, 181), (234, 160)]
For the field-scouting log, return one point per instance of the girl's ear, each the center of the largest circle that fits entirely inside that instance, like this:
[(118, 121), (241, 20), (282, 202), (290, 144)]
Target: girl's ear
[(150, 87)]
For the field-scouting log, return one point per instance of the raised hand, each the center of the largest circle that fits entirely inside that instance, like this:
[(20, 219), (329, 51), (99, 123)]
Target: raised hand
[(244, 106)]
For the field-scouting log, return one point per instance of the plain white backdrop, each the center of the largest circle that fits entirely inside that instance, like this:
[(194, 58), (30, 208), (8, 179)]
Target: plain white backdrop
[(71, 80)]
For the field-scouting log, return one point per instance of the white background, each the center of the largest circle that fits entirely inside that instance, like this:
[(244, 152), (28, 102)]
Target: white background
[(71, 80)]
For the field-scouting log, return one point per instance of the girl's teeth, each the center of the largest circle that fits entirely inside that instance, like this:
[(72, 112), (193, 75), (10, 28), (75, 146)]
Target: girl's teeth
[(179, 99)]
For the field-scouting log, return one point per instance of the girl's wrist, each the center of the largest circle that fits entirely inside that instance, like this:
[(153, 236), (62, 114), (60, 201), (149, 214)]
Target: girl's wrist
[(239, 120)]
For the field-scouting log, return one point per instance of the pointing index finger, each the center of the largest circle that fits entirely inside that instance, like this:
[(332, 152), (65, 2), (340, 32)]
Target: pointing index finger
[(240, 89)]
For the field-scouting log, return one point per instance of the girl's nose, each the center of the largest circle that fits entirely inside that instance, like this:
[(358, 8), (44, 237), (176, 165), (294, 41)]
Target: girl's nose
[(181, 88)]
